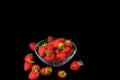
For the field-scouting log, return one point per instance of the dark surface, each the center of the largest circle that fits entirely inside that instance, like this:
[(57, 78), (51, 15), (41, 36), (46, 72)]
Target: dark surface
[(84, 40)]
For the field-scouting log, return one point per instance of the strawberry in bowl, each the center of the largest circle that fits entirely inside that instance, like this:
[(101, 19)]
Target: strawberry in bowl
[(55, 51)]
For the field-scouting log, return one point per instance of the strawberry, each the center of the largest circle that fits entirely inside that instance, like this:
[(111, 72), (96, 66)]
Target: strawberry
[(68, 43), (50, 58), (45, 71), (36, 67), (27, 66), (32, 45), (57, 51), (41, 50), (50, 38), (61, 56), (61, 39), (71, 51), (66, 49), (33, 75), (50, 46), (29, 58), (50, 51), (61, 74), (58, 44), (75, 65), (49, 70)]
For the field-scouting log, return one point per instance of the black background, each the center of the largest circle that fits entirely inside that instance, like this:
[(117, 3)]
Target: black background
[(84, 39)]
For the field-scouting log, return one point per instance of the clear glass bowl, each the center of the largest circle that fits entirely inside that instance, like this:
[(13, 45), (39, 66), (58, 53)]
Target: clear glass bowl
[(53, 64)]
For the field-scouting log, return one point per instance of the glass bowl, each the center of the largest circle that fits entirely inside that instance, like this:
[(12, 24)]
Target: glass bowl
[(53, 63)]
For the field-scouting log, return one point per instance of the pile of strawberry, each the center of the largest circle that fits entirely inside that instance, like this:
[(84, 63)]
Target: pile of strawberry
[(55, 50), (35, 69), (47, 53)]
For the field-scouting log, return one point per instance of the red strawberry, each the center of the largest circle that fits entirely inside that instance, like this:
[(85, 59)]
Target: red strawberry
[(62, 74), (66, 49), (75, 65), (57, 51), (49, 70), (68, 43), (50, 58), (71, 51), (29, 58), (50, 46), (50, 38), (61, 56), (46, 71), (36, 67), (50, 51), (33, 75), (41, 50), (61, 39), (32, 45), (43, 71), (27, 66), (58, 44)]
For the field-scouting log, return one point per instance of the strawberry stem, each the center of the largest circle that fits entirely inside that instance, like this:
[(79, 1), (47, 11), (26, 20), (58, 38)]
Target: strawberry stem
[(31, 61), (81, 63), (61, 46)]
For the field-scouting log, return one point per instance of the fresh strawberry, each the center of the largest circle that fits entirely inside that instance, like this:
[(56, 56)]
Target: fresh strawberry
[(33, 75), (58, 44), (50, 38), (57, 51), (36, 67), (50, 51), (27, 66), (43, 71), (68, 43), (50, 58), (50, 46), (32, 45), (75, 65), (41, 50), (61, 56), (29, 58), (61, 74), (46, 71), (49, 70), (61, 39), (71, 51), (66, 49)]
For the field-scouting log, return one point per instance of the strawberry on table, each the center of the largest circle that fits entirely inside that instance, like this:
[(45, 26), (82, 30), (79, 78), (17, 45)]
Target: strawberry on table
[(46, 71), (61, 74), (76, 65), (28, 66), (29, 58), (33, 75), (36, 67)]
